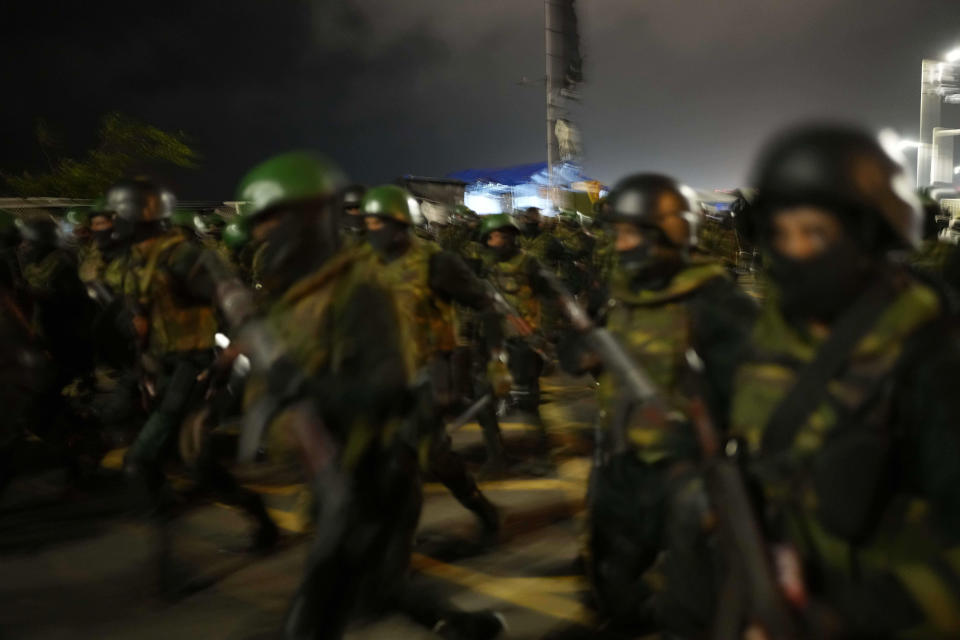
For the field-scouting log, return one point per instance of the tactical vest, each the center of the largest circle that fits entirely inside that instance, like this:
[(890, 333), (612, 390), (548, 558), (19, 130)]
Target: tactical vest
[(655, 328), (510, 278), (429, 320), (91, 264), (174, 324)]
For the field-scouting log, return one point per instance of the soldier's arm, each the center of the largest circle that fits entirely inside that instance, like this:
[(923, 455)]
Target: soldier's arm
[(453, 280), (722, 317), (189, 276), (932, 465)]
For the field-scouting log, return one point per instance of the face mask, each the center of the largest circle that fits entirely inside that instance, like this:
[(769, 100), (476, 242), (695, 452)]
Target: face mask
[(103, 239), (277, 258), (353, 224), (505, 252), (820, 287), (652, 263), (389, 240)]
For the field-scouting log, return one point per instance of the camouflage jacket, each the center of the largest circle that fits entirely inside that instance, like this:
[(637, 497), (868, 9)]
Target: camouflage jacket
[(511, 278), (869, 491), (341, 326), (164, 281), (700, 308), (428, 318)]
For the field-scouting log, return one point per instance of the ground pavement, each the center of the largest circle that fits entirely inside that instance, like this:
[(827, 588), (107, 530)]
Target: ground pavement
[(80, 568)]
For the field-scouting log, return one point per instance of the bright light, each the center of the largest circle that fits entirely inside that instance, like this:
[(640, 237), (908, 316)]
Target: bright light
[(903, 145), (482, 204), (956, 171), (953, 56)]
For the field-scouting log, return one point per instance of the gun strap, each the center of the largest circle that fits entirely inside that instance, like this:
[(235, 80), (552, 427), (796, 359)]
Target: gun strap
[(810, 387)]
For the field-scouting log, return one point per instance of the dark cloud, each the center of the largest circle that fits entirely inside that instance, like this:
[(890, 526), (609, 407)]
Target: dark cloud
[(390, 87)]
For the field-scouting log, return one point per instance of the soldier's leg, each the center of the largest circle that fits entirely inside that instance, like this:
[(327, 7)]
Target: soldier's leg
[(462, 366), (492, 437), (359, 559), (145, 457), (144, 462), (526, 366), (213, 475), (450, 469)]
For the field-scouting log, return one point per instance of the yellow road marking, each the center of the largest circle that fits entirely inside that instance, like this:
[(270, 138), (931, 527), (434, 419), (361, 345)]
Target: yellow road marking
[(523, 484), (504, 426), (277, 490), (114, 459), (554, 584), (289, 520), (514, 590)]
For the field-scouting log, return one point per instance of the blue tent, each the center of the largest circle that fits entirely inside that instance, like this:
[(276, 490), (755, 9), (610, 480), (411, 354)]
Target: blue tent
[(509, 176), (522, 174), (493, 190)]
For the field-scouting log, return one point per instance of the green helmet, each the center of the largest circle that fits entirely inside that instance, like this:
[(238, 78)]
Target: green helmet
[(236, 235), (183, 218), (569, 217), (391, 202), (462, 212), (293, 177), (77, 217), (495, 222), (209, 222)]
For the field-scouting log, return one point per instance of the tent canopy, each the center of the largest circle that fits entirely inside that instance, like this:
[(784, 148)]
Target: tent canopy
[(522, 174)]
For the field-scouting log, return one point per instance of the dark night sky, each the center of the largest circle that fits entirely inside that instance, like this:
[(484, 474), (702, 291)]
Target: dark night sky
[(389, 87)]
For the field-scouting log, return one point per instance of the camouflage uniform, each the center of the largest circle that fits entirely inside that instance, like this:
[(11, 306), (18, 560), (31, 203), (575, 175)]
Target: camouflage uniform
[(869, 489), (163, 283), (319, 322), (426, 280), (842, 401), (699, 308)]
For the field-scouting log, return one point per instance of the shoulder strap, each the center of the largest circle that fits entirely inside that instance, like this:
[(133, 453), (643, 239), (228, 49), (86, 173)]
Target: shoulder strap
[(157, 250), (810, 387)]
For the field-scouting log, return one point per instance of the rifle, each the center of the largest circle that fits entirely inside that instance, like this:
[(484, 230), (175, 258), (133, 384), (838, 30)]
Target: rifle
[(536, 340), (265, 352), (739, 528)]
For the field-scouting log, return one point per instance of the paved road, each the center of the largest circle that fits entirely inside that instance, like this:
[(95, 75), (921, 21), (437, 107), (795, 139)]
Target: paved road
[(81, 568)]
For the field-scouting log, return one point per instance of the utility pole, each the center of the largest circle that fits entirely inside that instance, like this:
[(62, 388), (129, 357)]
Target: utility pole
[(554, 70)]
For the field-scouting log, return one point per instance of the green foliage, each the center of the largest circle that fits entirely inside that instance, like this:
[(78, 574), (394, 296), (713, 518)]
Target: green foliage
[(125, 147)]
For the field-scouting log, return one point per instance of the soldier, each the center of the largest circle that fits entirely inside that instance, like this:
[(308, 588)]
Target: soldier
[(26, 372), (842, 405), (512, 273), (101, 248), (535, 241), (343, 356), (662, 303), (352, 219), (169, 294), (426, 280)]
